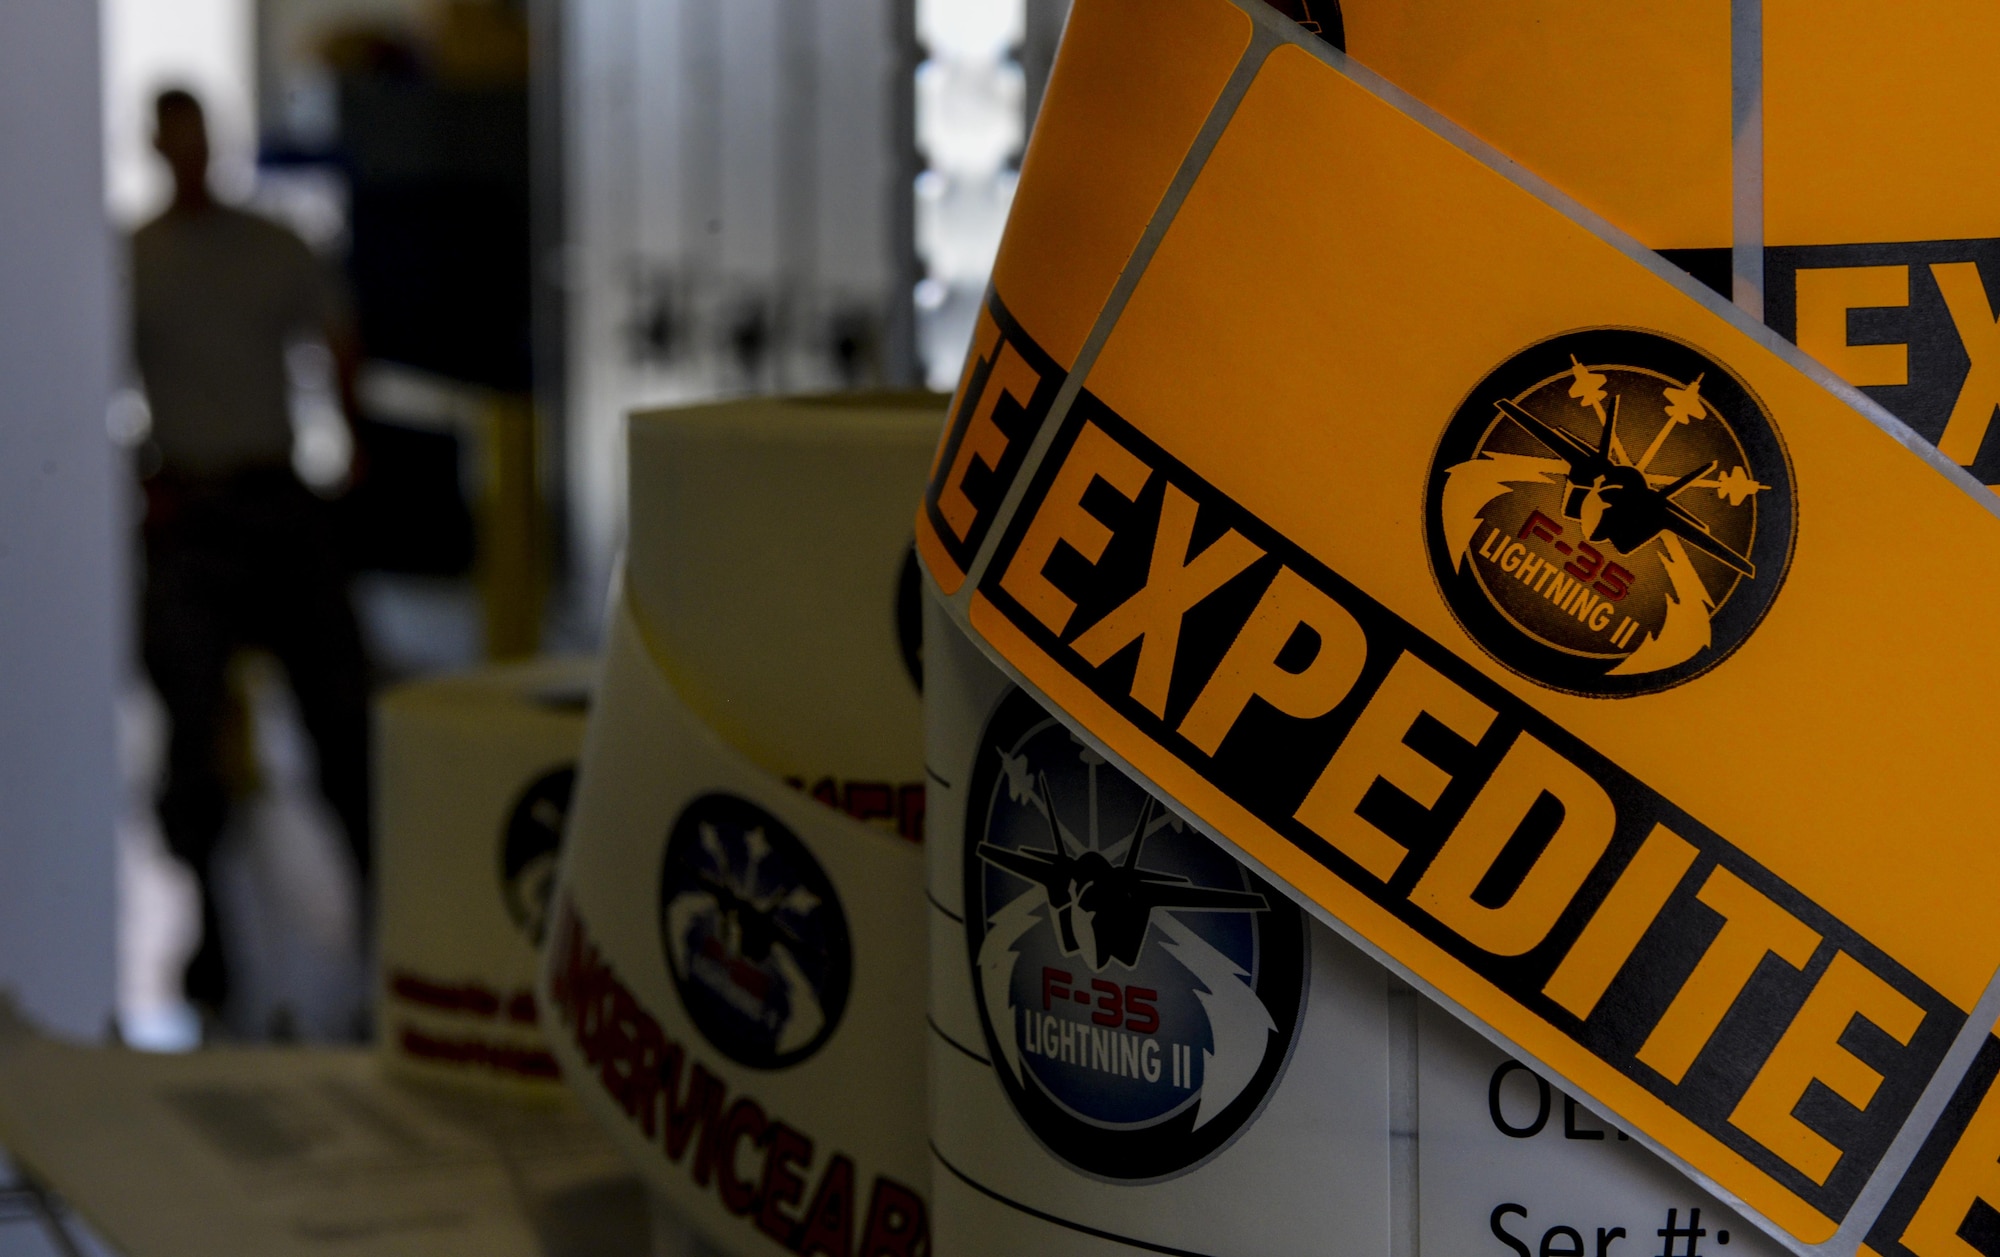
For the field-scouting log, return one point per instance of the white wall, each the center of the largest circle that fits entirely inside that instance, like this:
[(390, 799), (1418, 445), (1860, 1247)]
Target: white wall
[(61, 603)]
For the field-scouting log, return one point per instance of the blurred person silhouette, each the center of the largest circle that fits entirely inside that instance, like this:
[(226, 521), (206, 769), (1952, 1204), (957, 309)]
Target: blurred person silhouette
[(238, 552)]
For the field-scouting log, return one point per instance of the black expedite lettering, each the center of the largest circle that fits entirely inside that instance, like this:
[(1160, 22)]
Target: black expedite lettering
[(985, 486), (1268, 761), (1937, 357)]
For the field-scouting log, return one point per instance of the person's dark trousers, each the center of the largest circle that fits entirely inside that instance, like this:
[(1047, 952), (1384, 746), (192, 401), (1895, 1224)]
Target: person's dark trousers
[(247, 561)]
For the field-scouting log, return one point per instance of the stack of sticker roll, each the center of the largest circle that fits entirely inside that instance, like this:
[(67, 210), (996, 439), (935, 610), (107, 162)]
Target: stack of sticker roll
[(1138, 1045), (476, 773), (1137, 1048), (734, 980)]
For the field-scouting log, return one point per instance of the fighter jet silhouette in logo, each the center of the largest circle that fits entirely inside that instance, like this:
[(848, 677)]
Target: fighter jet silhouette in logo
[(1103, 909), (754, 923), (750, 944), (1619, 503), (1215, 956)]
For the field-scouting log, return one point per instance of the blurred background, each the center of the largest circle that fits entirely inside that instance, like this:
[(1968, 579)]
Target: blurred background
[(543, 213)]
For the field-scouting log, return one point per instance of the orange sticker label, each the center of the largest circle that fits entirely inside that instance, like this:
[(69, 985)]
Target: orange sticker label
[(1580, 648)]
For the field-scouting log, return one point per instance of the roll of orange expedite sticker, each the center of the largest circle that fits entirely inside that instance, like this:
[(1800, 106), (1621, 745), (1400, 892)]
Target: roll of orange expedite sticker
[(1522, 610)]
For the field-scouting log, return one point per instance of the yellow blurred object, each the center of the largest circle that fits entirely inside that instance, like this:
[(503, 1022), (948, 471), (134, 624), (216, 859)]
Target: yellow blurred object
[(480, 43), (513, 554)]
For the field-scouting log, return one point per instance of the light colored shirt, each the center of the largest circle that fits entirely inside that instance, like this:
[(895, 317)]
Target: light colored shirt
[(217, 297)]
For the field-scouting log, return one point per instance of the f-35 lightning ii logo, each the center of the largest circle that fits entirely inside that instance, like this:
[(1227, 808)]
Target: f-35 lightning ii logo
[(1139, 988), (1610, 512), (754, 934)]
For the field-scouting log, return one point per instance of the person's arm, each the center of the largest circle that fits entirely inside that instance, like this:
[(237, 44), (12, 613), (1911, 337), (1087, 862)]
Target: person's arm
[(346, 349), (330, 314)]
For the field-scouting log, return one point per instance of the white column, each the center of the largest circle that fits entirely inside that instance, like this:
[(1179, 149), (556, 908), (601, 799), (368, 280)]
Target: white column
[(61, 563), (971, 98)]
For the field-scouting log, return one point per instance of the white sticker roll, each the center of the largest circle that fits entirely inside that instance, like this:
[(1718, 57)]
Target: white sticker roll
[(1299, 1107), (735, 984), (737, 968), (770, 563), (475, 778)]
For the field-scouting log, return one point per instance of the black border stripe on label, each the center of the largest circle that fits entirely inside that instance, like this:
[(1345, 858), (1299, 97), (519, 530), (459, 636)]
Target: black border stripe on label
[(1268, 762), (984, 484), (1051, 1218), (939, 1032), (941, 908)]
